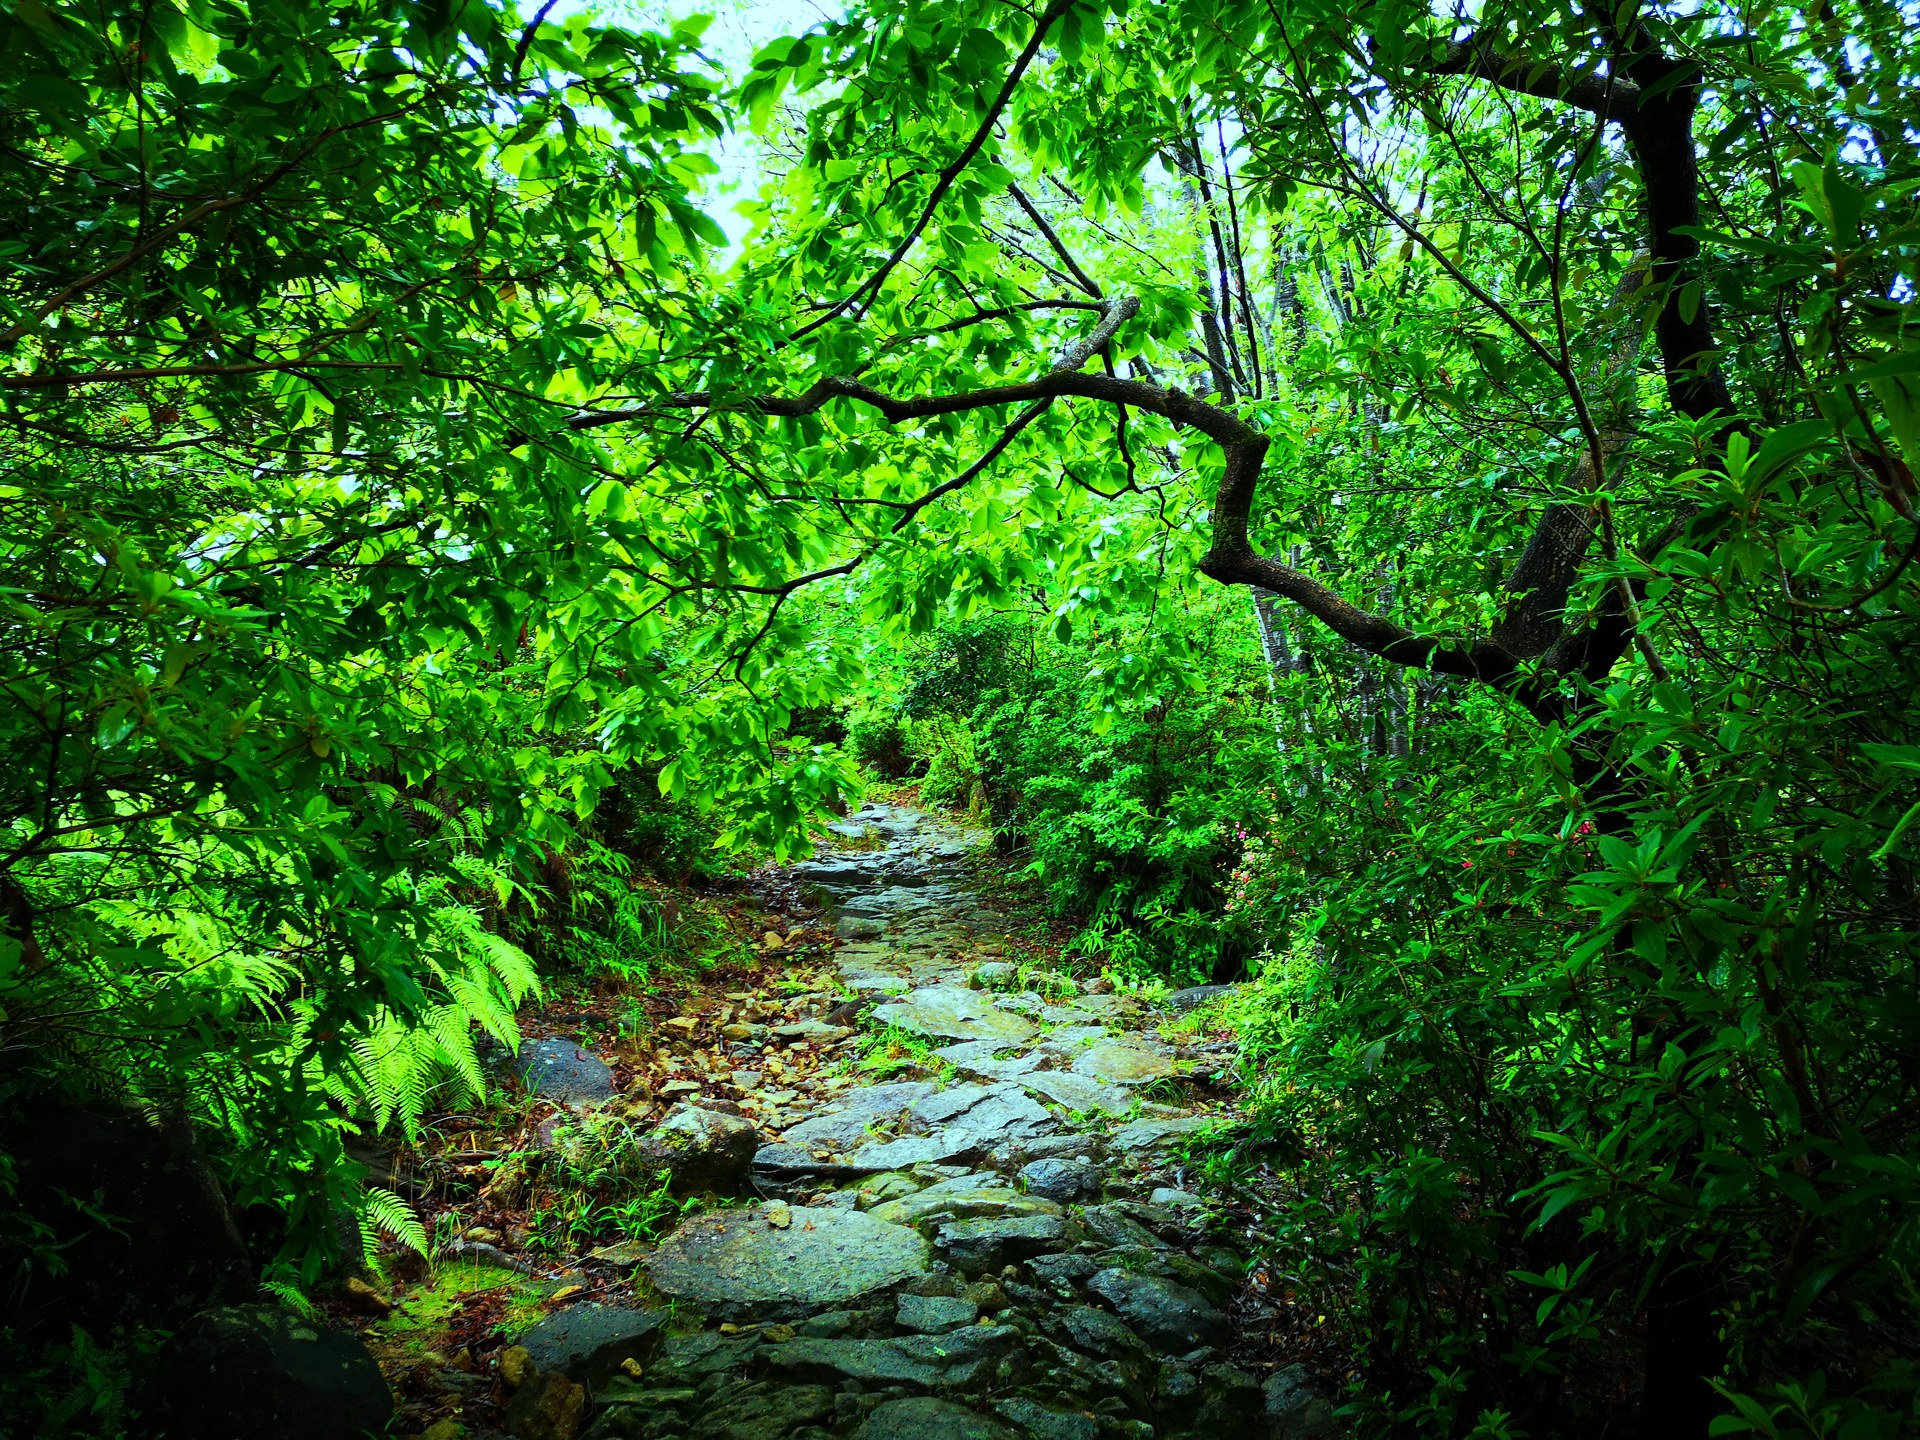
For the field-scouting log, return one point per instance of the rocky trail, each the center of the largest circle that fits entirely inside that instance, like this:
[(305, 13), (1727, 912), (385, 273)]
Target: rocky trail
[(921, 1188)]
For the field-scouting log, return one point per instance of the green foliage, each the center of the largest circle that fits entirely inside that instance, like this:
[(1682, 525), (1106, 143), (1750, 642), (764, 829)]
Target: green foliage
[(598, 1188), (881, 740)]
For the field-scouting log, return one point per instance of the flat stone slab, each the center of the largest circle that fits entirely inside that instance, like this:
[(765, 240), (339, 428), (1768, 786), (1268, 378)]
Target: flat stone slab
[(952, 1012), (823, 1257), (977, 1057), (1076, 1092), (934, 1314), (960, 1359), (779, 1159), (971, 1120), (1153, 1134), (850, 1123), (1124, 1062), (965, 1198)]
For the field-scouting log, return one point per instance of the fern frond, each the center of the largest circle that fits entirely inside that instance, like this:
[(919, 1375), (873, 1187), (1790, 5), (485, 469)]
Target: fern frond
[(289, 1295), (382, 1211)]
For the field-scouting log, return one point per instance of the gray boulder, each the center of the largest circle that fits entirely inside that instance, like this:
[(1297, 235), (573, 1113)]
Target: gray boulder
[(1095, 1331), (1295, 1409), (587, 1343), (560, 1070), (1047, 1424), (934, 1314), (701, 1149), (261, 1370), (978, 1247), (1163, 1311), (1063, 1181), (1116, 1229), (1065, 1270)]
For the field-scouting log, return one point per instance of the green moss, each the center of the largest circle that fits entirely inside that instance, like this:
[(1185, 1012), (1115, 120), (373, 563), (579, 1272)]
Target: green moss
[(423, 1314)]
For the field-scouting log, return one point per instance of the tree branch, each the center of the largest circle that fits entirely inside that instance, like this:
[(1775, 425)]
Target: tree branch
[(951, 173), (1611, 98), (1059, 247)]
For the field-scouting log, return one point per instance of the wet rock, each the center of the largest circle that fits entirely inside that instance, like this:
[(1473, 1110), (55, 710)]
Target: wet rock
[(1295, 1409), (1054, 1147), (994, 975), (972, 1120), (1194, 996), (781, 1163), (1125, 1062), (835, 1323), (1065, 1271), (982, 1058), (850, 1123), (245, 1370), (1062, 1181), (1043, 1423), (977, 1247), (767, 1412), (1164, 1312), (968, 1197), (547, 1407), (934, 1314), (1095, 1331), (879, 1189), (952, 1013), (588, 1343), (922, 1417), (989, 1295), (702, 1149), (730, 1260), (1176, 1199), (1076, 1092), (560, 1070), (1069, 1041), (1157, 1134), (962, 1359), (1179, 1396), (701, 1358), (1114, 1228), (622, 1254)]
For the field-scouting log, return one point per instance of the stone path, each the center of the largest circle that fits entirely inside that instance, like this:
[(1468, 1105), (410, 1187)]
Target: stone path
[(984, 1249)]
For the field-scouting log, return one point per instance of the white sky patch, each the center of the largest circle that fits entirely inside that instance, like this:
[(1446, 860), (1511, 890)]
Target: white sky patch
[(739, 29)]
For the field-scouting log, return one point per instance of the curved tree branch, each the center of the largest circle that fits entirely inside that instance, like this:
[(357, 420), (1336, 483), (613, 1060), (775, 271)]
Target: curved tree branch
[(871, 286)]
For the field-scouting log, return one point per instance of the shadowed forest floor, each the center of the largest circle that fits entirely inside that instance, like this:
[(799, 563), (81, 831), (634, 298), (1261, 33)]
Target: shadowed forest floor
[(904, 1176)]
